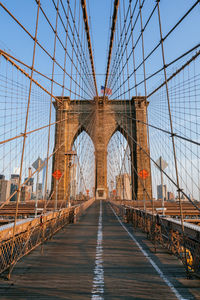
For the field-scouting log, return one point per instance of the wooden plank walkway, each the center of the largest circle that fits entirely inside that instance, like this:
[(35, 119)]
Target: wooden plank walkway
[(97, 258)]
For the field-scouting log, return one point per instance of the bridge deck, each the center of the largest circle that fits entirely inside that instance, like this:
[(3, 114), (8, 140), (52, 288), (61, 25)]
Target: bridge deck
[(97, 259)]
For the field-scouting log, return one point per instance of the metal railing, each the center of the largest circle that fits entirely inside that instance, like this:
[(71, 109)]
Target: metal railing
[(167, 232), (33, 232)]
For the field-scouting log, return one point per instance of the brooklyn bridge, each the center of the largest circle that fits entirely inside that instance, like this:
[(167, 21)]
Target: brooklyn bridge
[(99, 149)]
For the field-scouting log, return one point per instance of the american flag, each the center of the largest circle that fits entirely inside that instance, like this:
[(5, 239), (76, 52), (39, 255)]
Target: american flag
[(107, 91)]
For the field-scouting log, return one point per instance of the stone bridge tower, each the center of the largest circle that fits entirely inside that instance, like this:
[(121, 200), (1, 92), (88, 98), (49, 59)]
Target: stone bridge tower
[(106, 117)]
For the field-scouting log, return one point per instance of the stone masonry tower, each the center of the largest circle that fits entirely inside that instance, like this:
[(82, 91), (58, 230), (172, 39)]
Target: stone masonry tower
[(104, 117)]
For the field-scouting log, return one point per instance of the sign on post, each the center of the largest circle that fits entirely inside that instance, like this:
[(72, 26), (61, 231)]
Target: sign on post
[(38, 163), (143, 174), (57, 174)]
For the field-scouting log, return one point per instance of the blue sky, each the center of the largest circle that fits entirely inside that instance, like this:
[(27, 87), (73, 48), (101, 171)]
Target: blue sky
[(15, 41), (171, 12)]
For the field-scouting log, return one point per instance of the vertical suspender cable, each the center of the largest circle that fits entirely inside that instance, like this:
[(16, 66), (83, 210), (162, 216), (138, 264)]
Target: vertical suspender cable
[(85, 17), (114, 20)]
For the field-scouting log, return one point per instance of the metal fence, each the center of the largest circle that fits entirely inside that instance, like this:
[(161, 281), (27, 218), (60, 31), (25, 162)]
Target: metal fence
[(35, 232), (168, 233)]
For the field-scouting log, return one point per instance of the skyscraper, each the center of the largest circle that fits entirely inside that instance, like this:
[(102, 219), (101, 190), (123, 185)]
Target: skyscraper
[(4, 188), (123, 186), (162, 191), (14, 186)]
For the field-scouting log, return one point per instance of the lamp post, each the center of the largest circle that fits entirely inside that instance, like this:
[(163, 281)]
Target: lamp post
[(57, 174), (37, 166), (69, 155)]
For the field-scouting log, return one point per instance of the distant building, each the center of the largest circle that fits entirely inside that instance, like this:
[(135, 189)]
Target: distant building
[(33, 195), (183, 198), (39, 190), (162, 192), (26, 191), (30, 182), (15, 179), (4, 188), (123, 186), (47, 194), (14, 186), (170, 196)]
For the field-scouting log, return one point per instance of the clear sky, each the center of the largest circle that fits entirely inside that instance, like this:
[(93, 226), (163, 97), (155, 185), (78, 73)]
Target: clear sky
[(100, 12), (184, 91), (171, 11)]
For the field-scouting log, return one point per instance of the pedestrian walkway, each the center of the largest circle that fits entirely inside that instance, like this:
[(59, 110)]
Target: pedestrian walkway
[(99, 258)]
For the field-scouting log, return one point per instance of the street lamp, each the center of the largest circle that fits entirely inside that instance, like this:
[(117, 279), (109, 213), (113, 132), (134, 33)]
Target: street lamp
[(70, 154)]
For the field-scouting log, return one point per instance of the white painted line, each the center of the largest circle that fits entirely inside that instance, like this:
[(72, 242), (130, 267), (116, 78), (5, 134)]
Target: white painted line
[(160, 273), (98, 280)]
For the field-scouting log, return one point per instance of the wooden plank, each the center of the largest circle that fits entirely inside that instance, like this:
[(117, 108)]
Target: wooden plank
[(65, 268)]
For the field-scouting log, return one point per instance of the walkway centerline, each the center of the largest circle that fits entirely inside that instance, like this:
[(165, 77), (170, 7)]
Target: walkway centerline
[(98, 281)]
